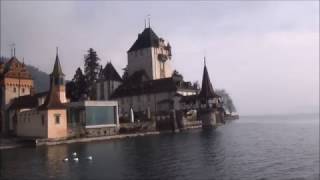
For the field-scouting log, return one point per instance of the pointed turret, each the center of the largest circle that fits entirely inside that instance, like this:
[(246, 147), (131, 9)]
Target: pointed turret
[(56, 96), (110, 73), (207, 91), (57, 70)]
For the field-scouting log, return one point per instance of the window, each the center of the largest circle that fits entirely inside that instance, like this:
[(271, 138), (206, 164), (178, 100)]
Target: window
[(162, 65), (57, 118), (42, 120), (14, 89), (22, 90)]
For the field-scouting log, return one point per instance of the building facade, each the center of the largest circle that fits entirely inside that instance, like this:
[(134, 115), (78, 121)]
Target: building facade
[(109, 81), (151, 83), (47, 119), (151, 54), (15, 81), (93, 118)]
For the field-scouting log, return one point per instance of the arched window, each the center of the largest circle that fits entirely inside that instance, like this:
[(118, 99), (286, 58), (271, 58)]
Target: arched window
[(14, 89)]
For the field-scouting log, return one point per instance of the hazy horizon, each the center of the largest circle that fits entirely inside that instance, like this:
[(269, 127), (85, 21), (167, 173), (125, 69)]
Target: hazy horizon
[(264, 54)]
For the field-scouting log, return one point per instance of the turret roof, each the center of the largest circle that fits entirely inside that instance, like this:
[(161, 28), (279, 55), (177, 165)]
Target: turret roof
[(110, 73), (52, 100), (206, 88), (57, 70), (148, 38)]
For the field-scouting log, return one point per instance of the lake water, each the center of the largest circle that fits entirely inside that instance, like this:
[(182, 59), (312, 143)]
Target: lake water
[(266, 147)]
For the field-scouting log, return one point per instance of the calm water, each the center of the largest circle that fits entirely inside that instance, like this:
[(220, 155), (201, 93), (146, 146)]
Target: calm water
[(283, 147)]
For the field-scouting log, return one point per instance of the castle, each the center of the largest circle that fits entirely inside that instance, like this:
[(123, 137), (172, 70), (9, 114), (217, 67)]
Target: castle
[(151, 91), (152, 88)]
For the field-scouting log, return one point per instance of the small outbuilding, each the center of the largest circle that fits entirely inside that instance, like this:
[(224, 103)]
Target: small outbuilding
[(93, 118)]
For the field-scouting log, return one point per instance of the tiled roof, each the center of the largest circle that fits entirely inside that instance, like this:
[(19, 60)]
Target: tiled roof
[(27, 101), (14, 69), (52, 101), (110, 73), (147, 38), (133, 88)]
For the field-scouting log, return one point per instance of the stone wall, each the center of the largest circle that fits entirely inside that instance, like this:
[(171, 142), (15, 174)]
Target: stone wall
[(32, 123), (137, 127), (101, 131)]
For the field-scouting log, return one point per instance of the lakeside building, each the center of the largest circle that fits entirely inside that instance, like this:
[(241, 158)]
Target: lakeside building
[(93, 118), (152, 89), (49, 115), (152, 92), (15, 81), (151, 83)]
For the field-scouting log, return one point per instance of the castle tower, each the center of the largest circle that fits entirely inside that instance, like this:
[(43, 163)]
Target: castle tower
[(15, 81), (210, 104), (206, 95), (151, 54), (53, 109), (57, 83)]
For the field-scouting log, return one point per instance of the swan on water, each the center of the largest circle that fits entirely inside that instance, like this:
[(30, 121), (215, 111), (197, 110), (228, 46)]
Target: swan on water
[(76, 159), (65, 159), (74, 154), (89, 157)]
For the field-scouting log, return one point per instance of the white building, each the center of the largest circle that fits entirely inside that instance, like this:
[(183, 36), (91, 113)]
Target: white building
[(151, 85), (151, 54)]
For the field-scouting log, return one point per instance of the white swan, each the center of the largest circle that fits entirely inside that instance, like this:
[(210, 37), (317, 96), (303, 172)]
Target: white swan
[(74, 154), (76, 159), (89, 157), (65, 159)]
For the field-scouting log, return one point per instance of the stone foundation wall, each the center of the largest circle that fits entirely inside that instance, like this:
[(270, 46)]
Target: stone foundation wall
[(103, 131), (137, 127)]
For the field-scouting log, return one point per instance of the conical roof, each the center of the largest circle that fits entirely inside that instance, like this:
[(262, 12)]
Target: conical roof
[(57, 70), (110, 73), (148, 38), (206, 88), (52, 100)]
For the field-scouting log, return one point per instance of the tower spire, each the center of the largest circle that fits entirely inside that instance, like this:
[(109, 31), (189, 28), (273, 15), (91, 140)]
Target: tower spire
[(206, 91), (57, 70), (13, 49), (149, 20), (145, 23)]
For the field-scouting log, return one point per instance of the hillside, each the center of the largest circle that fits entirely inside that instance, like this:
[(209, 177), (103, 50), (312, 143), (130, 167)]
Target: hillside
[(41, 79)]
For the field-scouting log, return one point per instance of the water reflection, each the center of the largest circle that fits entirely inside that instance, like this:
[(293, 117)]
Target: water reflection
[(240, 150)]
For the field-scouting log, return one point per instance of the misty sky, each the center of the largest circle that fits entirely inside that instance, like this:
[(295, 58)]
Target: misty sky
[(265, 54)]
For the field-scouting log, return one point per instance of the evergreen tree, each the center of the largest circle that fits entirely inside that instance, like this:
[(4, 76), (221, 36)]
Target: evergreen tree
[(80, 84), (227, 101), (91, 71), (70, 91)]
